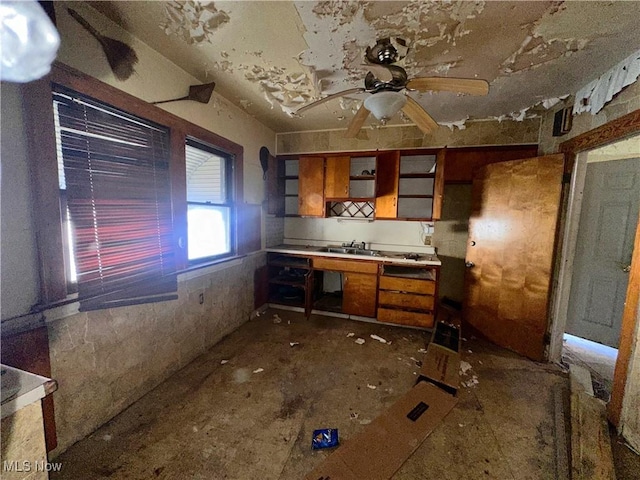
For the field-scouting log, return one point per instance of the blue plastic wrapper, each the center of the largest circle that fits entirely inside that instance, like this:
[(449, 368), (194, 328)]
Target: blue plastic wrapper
[(325, 438)]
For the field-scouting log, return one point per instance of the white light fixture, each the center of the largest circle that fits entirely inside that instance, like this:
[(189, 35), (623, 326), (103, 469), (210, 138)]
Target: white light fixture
[(385, 104)]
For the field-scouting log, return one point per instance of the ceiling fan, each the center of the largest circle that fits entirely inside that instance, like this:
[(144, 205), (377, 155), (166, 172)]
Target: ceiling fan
[(388, 85)]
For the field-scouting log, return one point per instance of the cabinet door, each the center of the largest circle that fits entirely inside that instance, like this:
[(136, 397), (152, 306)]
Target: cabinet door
[(311, 187), (438, 187), (337, 177), (387, 175), (359, 294)]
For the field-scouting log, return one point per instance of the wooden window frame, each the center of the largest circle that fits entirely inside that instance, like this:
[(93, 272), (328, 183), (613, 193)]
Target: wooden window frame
[(40, 134)]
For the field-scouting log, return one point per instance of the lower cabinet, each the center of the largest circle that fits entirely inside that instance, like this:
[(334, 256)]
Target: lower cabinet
[(391, 293), (347, 286), (359, 294), (407, 295)]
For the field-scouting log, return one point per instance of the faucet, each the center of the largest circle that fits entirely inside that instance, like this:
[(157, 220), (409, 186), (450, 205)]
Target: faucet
[(350, 244)]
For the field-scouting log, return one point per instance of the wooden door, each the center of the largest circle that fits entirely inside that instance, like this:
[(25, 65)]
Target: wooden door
[(604, 246), (387, 177), (311, 187), (359, 294), (336, 182), (512, 233)]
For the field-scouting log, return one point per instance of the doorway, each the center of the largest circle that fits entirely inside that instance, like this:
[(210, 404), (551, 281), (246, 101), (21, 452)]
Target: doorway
[(601, 223)]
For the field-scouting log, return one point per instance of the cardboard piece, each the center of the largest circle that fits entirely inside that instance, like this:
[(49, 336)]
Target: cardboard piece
[(383, 446), (441, 364)]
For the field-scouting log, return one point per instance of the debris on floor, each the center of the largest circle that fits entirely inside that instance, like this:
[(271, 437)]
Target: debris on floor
[(293, 344), (464, 367), (325, 438), (353, 415), (472, 382), (380, 339), (422, 350), (222, 362), (351, 334), (276, 318), (372, 387), (258, 370), (359, 341), (107, 437)]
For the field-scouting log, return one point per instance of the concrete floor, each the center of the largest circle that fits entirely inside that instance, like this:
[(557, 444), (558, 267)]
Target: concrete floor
[(224, 421), (599, 359)]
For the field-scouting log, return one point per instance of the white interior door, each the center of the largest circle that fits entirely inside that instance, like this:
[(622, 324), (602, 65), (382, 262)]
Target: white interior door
[(603, 252)]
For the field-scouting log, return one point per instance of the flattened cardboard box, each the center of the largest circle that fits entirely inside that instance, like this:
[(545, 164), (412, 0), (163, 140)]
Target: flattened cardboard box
[(441, 363), (441, 367), (383, 446)]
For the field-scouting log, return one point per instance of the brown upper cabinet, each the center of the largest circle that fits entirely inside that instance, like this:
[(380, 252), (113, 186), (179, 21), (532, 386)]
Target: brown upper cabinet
[(403, 184), (350, 177), (410, 185), (463, 162), (311, 201)]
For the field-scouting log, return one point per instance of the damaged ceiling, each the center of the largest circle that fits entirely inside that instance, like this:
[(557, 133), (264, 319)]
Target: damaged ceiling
[(272, 57)]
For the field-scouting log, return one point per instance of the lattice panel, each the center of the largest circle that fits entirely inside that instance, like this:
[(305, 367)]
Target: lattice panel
[(352, 209)]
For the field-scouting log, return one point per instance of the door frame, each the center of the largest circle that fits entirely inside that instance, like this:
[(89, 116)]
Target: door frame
[(576, 151)]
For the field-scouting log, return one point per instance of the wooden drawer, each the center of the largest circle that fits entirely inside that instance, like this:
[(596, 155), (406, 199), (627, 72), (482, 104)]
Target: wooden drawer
[(339, 265), (406, 300), (426, 287), (415, 319)]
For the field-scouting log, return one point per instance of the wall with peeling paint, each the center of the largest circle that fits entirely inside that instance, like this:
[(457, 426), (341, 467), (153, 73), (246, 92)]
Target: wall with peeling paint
[(627, 101), (474, 133)]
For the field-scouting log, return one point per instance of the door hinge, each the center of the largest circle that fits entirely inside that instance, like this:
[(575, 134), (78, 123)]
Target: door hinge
[(566, 178)]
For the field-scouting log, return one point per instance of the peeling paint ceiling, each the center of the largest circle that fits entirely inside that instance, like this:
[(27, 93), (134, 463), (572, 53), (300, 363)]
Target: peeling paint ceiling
[(272, 57)]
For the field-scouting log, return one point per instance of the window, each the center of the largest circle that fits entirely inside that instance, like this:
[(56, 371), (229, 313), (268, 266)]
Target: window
[(115, 198), (209, 202)]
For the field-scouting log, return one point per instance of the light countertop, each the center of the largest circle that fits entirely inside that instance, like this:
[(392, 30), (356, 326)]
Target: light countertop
[(20, 388), (425, 259)]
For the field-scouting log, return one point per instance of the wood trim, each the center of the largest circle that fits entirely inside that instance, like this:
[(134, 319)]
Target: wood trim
[(628, 329), (43, 164), (612, 131), (178, 175)]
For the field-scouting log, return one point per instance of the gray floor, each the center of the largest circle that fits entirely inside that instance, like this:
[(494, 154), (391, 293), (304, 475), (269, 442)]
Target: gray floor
[(599, 359), (224, 421)]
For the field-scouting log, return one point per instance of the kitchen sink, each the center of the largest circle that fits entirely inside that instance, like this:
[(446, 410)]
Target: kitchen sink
[(351, 251)]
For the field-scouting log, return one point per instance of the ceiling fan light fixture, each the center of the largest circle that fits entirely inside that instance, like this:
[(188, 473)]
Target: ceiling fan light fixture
[(385, 105)]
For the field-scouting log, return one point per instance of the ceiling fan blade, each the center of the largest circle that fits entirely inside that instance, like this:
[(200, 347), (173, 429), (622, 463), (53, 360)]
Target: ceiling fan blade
[(420, 117), (356, 122), (446, 84), (381, 72), (330, 97)]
